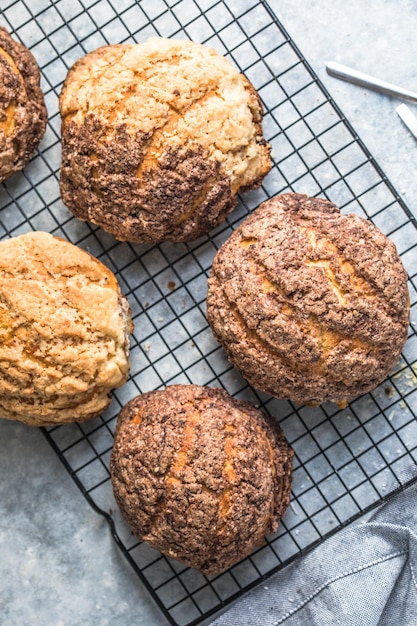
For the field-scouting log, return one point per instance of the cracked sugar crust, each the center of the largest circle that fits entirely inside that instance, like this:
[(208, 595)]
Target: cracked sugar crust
[(309, 304), (23, 114), (64, 329), (158, 138), (199, 475)]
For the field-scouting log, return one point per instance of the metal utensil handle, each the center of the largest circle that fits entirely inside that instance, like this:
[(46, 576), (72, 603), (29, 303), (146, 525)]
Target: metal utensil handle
[(408, 118), (364, 80)]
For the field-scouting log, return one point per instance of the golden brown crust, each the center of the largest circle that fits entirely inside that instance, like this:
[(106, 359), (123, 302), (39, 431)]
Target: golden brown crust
[(63, 331), (309, 304), (158, 138), (199, 475), (23, 113)]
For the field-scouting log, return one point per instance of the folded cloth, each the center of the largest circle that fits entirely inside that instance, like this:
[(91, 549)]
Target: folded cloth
[(365, 575)]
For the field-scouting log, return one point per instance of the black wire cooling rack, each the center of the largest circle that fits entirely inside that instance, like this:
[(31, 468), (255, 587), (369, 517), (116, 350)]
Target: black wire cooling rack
[(347, 461)]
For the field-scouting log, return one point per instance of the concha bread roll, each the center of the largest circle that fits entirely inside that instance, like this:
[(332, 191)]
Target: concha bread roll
[(309, 304), (23, 113), (200, 476), (64, 329), (158, 138)]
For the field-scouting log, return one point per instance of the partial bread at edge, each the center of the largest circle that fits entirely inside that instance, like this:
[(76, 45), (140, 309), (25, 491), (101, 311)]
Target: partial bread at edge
[(23, 114), (64, 329)]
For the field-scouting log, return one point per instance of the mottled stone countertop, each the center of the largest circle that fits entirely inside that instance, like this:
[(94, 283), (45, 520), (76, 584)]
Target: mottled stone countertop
[(58, 562)]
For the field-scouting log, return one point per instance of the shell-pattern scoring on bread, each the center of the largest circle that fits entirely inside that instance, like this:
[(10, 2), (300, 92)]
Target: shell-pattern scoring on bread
[(64, 329), (310, 304), (199, 475), (158, 138), (23, 113)]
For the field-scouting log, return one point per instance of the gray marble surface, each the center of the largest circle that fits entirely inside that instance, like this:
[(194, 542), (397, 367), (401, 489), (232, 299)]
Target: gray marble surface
[(376, 37), (58, 562)]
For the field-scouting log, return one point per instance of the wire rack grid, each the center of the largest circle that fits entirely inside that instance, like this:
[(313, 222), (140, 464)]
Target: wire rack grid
[(346, 461)]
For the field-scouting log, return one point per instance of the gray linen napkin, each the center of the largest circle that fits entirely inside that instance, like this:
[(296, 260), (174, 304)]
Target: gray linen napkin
[(365, 575)]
